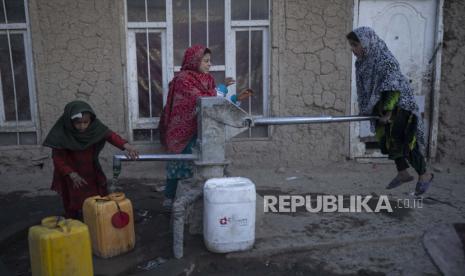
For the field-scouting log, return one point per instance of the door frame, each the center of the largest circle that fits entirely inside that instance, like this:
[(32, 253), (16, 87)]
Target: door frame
[(357, 148)]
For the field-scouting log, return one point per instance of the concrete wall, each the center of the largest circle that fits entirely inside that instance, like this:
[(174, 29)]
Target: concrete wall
[(310, 75), (452, 102), (77, 49)]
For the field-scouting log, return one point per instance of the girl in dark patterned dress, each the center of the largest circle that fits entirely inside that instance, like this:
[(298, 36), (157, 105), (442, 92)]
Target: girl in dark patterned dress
[(384, 91)]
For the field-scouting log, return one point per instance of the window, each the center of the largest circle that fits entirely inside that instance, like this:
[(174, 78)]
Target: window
[(159, 32), (249, 25), (200, 22), (17, 97), (147, 68)]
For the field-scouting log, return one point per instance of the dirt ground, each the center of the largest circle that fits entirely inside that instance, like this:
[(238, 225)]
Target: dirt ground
[(298, 243)]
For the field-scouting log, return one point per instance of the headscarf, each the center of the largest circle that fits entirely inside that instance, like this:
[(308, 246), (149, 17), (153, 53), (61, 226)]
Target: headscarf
[(63, 135), (178, 122), (378, 71)]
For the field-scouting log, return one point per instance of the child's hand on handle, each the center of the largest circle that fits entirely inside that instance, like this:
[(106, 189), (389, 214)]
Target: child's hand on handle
[(245, 94), (131, 152), (229, 81), (386, 118), (78, 181)]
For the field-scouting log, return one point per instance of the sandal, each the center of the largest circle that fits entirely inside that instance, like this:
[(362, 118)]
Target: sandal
[(422, 187), (396, 182)]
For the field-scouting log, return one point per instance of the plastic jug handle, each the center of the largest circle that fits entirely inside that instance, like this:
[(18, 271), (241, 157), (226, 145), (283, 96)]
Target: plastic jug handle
[(56, 222), (116, 196), (63, 226), (111, 197), (103, 199)]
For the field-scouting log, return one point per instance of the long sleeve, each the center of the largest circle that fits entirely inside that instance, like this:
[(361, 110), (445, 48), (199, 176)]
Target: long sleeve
[(115, 140), (59, 161), (391, 100)]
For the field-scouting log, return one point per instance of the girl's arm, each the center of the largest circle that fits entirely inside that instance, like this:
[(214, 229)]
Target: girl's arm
[(116, 140), (122, 144), (59, 161)]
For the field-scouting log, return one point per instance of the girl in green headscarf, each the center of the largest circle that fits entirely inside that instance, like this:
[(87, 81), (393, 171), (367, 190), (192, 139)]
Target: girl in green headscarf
[(76, 140)]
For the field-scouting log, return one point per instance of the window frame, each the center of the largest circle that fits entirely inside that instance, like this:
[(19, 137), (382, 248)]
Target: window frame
[(166, 30), (265, 72), (137, 122), (242, 25), (229, 67), (17, 126)]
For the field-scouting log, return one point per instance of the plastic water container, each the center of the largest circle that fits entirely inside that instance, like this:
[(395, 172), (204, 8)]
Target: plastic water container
[(60, 246), (229, 214), (111, 224)]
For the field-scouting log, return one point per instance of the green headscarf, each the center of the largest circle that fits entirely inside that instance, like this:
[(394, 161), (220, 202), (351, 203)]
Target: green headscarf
[(63, 135)]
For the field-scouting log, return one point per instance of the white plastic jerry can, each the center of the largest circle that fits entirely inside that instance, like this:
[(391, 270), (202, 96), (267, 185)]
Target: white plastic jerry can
[(229, 214)]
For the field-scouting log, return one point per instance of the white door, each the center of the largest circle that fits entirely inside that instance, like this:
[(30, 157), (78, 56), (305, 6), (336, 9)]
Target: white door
[(409, 29)]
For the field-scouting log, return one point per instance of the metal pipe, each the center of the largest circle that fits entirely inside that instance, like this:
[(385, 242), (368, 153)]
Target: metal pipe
[(157, 157), (144, 157), (307, 120)]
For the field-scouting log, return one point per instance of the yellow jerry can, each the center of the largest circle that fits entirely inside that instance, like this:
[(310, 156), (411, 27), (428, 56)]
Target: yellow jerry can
[(60, 247), (111, 224)]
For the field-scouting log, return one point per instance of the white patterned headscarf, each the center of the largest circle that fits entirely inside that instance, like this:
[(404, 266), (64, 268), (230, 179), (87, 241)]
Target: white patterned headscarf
[(378, 71)]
